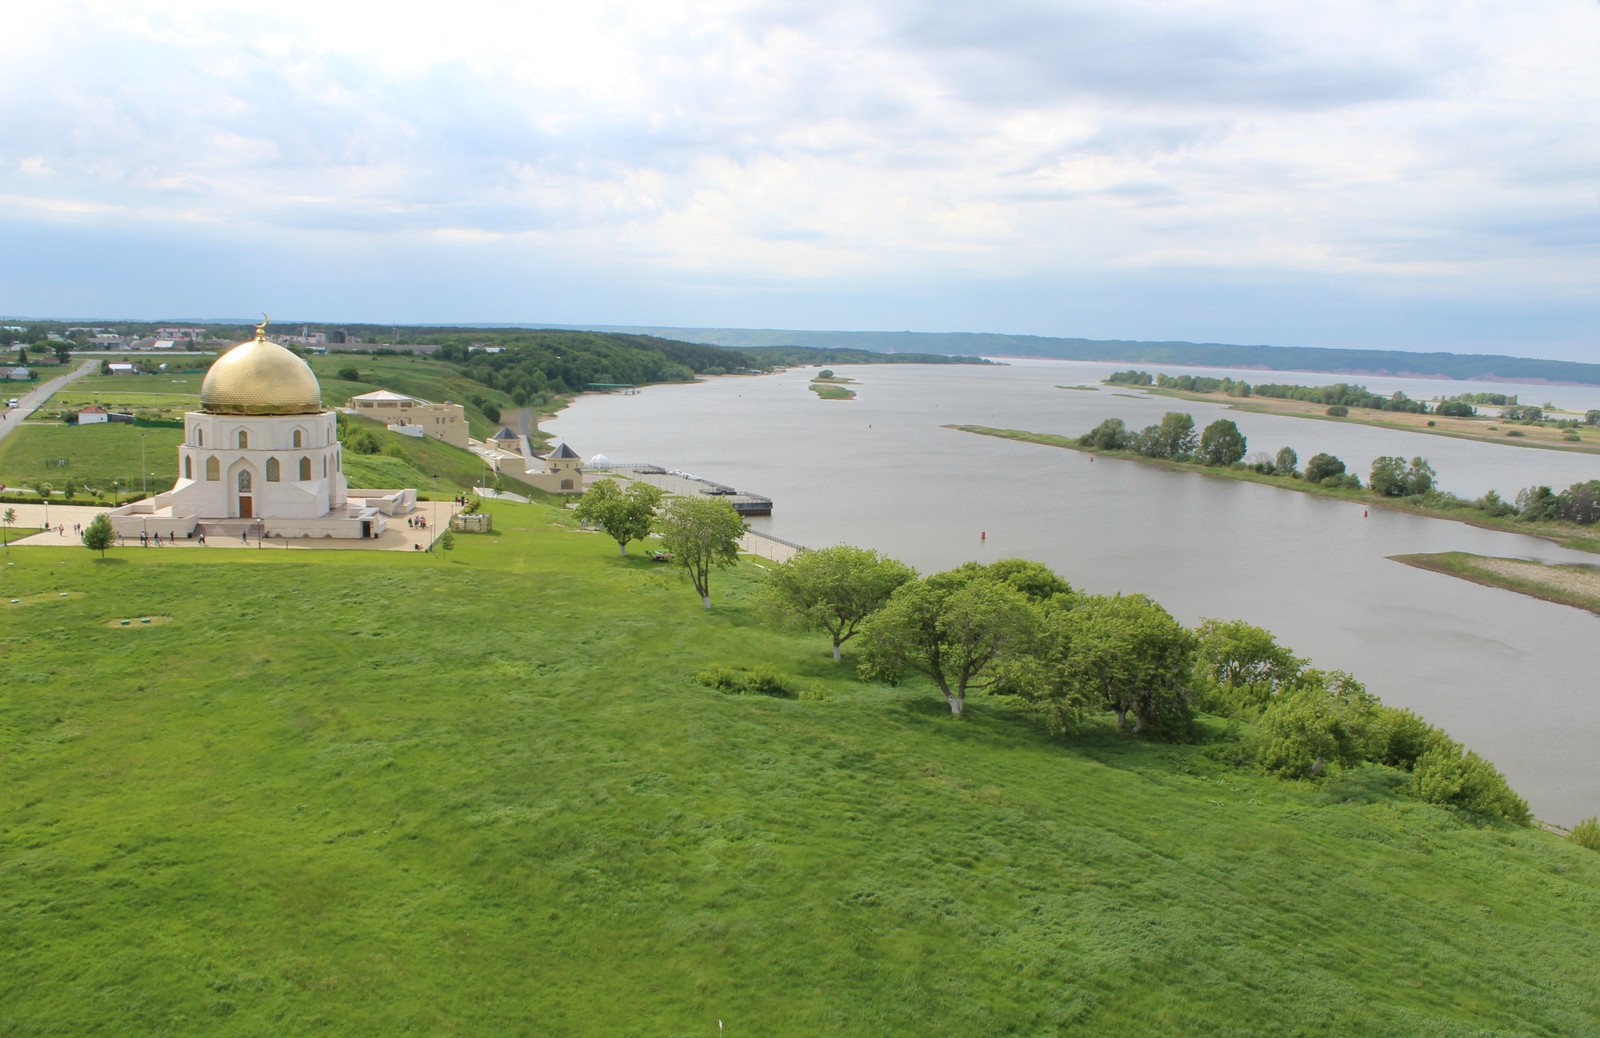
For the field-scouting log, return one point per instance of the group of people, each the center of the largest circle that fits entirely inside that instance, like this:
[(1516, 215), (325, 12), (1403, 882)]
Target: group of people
[(418, 522), (147, 538)]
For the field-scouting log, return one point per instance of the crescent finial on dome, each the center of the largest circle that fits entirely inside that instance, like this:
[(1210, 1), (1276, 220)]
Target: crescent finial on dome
[(261, 329)]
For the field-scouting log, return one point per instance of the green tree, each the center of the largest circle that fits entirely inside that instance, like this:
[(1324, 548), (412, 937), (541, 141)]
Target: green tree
[(98, 535), (702, 534), (44, 490), (1284, 464), (1038, 582), (1128, 655), (624, 514), (1321, 466), (447, 540), (1243, 664), (1109, 435), (1222, 443), (7, 519), (1172, 438), (1587, 832), (834, 589), (1388, 477), (1392, 477), (958, 628)]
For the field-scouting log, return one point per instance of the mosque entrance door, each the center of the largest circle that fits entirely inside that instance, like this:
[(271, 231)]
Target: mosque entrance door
[(245, 511)]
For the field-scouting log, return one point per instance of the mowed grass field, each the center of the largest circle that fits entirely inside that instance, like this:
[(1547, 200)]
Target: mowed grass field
[(377, 794), (92, 454), (169, 394)]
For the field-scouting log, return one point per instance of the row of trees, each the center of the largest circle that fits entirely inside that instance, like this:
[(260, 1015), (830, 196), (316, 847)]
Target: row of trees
[(1016, 629), (1339, 394), (1174, 437)]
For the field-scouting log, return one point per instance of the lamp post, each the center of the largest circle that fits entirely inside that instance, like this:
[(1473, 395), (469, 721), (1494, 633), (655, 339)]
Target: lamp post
[(141, 465), (433, 518)]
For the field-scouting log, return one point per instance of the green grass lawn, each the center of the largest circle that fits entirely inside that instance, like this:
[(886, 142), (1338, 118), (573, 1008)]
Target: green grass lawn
[(97, 454), (170, 395), (378, 793), (93, 455)]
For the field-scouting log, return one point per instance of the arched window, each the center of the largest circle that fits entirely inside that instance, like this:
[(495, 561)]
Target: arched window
[(305, 468), (213, 470), (272, 470), (199, 437), (244, 481), (244, 440), (297, 442), (324, 466), (188, 468)]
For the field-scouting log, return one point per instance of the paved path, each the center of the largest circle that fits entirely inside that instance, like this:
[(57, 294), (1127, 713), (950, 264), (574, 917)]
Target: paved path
[(35, 398), (397, 537)]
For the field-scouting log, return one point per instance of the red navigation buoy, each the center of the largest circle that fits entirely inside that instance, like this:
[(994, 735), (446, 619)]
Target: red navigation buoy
[(983, 536), (1363, 513)]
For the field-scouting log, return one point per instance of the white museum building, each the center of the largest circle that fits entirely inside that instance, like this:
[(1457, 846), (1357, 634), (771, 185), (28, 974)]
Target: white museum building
[(261, 458)]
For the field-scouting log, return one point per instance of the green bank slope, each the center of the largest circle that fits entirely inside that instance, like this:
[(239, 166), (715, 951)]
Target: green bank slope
[(373, 794)]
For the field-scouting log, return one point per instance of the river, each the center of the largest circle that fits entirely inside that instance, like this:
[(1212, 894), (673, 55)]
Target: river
[(1510, 676)]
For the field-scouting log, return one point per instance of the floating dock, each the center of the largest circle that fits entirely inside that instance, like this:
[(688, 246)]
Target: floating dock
[(685, 484)]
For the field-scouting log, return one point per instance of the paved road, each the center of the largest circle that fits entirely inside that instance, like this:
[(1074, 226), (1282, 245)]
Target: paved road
[(35, 398)]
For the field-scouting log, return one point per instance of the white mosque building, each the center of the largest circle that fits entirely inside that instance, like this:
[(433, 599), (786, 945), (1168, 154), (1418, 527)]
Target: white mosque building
[(262, 458)]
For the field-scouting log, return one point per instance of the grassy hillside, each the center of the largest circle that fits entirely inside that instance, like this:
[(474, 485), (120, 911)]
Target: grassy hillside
[(414, 376), (359, 793)]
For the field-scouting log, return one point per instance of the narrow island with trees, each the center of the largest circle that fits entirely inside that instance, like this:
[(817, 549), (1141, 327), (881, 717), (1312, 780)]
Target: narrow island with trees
[(1512, 422)]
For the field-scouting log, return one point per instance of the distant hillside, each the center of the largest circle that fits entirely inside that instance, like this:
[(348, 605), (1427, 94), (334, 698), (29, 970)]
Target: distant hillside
[(1476, 367)]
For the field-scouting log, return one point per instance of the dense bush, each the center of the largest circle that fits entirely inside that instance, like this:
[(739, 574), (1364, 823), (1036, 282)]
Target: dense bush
[(1586, 834), (1130, 378), (1456, 409), (1321, 466), (762, 680), (1452, 776), (1338, 411), (1284, 464), (1522, 413), (1109, 435)]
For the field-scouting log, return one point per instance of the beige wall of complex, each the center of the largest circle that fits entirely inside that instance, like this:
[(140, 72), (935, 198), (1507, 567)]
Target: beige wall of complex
[(446, 421)]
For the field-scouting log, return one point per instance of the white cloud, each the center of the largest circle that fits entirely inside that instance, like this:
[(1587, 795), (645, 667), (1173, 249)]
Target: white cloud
[(1446, 145)]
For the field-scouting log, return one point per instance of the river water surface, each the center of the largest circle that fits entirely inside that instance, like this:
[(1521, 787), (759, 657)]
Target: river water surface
[(1510, 676)]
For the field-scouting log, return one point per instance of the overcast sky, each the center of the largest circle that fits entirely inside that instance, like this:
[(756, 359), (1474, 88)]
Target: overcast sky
[(1415, 175)]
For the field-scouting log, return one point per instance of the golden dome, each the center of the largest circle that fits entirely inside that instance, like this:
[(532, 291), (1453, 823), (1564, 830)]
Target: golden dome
[(260, 377)]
